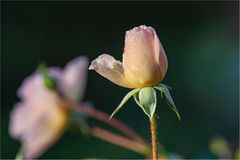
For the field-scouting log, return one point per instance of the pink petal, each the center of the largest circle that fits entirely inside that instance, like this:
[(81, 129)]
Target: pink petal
[(160, 56), (29, 86), (47, 129), (111, 69), (38, 124), (74, 78), (34, 84), (140, 58), (39, 120)]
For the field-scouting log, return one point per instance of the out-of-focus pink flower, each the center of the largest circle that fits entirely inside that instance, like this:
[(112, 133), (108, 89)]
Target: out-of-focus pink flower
[(41, 116), (144, 60), (74, 78)]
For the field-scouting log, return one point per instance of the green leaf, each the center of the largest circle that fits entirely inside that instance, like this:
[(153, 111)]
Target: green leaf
[(125, 99), (147, 100), (164, 89)]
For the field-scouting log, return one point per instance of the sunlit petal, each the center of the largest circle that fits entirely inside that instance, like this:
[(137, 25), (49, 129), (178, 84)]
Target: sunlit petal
[(111, 69)]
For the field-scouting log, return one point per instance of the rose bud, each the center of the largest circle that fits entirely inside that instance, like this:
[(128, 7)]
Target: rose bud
[(144, 60)]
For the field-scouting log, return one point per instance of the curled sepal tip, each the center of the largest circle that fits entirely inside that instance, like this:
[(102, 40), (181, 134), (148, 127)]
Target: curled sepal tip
[(125, 99), (164, 90), (147, 100)]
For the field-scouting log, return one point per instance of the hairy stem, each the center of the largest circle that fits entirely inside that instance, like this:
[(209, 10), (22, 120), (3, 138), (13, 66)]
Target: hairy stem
[(120, 140), (154, 138)]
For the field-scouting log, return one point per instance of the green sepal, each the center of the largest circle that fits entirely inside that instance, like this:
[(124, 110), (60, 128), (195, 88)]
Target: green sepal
[(136, 98), (147, 100), (125, 99), (164, 90), (48, 80)]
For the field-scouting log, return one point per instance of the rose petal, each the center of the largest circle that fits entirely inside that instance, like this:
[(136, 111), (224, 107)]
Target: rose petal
[(40, 118), (29, 86), (140, 63), (46, 130), (34, 83), (160, 56), (74, 78), (38, 123), (111, 69), (17, 127)]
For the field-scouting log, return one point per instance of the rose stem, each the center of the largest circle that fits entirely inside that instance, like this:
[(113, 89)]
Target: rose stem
[(154, 138), (104, 117), (120, 140)]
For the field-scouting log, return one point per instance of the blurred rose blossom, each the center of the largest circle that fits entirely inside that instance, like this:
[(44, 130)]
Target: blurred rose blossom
[(41, 116)]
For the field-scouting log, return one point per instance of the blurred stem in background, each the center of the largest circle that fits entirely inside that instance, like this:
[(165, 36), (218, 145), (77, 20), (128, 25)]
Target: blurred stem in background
[(113, 138), (134, 142), (104, 117)]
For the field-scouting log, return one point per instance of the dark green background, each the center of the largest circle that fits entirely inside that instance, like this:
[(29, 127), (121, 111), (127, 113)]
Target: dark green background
[(201, 42)]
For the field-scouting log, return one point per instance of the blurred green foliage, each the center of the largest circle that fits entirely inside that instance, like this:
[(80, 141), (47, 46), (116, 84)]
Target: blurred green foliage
[(201, 40)]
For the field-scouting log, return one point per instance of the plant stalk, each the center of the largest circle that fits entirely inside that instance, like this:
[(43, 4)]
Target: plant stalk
[(113, 138), (104, 117), (154, 138)]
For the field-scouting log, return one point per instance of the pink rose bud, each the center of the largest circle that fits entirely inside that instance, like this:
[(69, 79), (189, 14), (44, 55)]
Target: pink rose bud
[(144, 60)]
